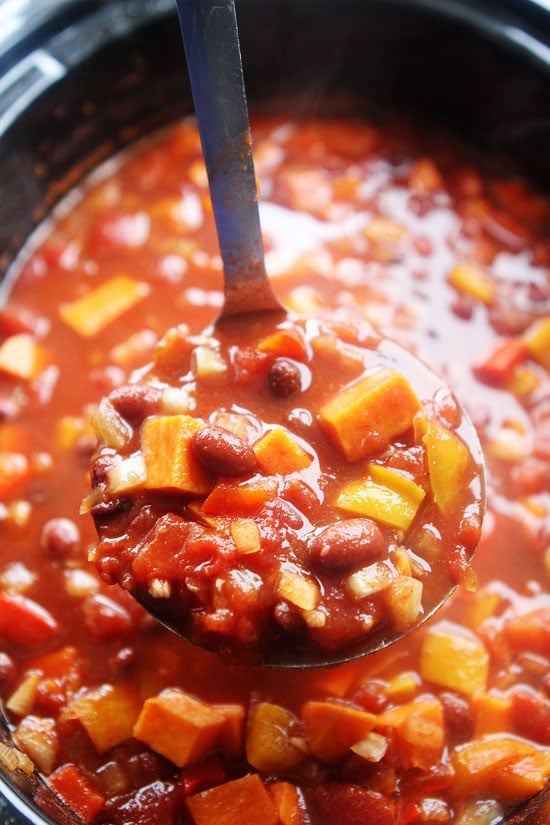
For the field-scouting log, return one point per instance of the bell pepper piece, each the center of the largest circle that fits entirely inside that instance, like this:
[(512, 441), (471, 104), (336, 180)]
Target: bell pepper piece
[(537, 341), (387, 496), (448, 460), (272, 743), (497, 368), (473, 281), (24, 621), (77, 791), (454, 661)]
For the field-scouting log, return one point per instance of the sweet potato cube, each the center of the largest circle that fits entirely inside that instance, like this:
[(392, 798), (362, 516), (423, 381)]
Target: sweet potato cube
[(231, 736), (481, 765), (169, 460), (242, 499), (537, 340), (332, 728), (97, 309), (289, 803), (244, 801), (492, 714), (285, 342), (523, 778), (107, 714), (387, 496), (21, 356), (278, 452), (454, 661), (365, 416), (420, 730), (179, 726), (448, 460), (272, 745)]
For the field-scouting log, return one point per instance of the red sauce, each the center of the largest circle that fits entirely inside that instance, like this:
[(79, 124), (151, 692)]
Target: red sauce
[(450, 725)]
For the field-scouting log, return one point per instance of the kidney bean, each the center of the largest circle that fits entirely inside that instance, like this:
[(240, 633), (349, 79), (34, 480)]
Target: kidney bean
[(457, 715), (222, 452), (60, 538), (284, 378), (347, 544), (136, 401)]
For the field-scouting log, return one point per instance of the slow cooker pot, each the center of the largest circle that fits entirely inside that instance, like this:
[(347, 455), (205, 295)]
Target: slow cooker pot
[(80, 80)]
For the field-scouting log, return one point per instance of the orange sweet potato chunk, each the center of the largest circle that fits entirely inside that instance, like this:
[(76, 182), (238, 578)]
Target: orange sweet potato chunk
[(179, 726), (365, 416), (231, 737), (278, 452), (332, 728), (170, 463), (289, 803), (501, 766), (244, 801), (91, 313)]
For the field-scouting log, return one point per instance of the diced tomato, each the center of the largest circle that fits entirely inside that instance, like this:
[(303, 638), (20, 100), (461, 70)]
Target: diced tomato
[(156, 804), (352, 805), (24, 621), (200, 775)]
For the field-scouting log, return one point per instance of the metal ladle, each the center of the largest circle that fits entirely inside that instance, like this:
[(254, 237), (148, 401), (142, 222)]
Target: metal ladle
[(214, 62)]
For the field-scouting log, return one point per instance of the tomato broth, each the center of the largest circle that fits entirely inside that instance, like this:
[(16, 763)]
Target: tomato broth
[(128, 723)]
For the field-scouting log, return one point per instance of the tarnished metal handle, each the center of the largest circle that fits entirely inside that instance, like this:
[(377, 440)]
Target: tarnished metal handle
[(212, 48)]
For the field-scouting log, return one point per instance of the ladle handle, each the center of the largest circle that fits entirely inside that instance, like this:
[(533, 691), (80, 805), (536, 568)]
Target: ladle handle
[(211, 40)]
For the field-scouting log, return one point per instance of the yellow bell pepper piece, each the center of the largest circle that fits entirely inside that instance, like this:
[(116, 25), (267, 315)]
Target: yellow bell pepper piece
[(387, 496)]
